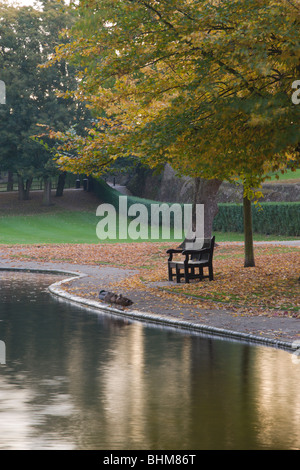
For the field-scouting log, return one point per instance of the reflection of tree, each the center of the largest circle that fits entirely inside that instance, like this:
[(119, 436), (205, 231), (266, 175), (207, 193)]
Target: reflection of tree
[(220, 394), (239, 397)]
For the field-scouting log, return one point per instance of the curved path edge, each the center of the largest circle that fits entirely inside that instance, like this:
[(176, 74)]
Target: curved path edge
[(56, 290)]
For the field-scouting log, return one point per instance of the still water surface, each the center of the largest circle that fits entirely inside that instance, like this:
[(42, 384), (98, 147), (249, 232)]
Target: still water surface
[(77, 379)]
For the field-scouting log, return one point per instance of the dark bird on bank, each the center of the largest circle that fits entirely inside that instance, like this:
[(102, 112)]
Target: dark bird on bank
[(112, 298)]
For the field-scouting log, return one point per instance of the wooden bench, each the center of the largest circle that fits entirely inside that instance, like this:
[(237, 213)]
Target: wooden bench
[(198, 255)]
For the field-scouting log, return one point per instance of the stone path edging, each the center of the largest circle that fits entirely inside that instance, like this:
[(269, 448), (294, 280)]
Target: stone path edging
[(55, 289)]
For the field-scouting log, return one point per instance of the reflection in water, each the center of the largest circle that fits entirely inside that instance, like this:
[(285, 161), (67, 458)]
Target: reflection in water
[(15, 417), (278, 406), (76, 379)]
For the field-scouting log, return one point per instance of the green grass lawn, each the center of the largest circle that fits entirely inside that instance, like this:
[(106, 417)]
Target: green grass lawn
[(289, 175), (61, 227), (75, 227)]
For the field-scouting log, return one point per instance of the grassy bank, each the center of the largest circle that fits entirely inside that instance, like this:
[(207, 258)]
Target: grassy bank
[(288, 177), (75, 227)]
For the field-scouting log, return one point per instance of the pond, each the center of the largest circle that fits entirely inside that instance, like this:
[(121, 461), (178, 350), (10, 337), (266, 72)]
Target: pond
[(77, 379)]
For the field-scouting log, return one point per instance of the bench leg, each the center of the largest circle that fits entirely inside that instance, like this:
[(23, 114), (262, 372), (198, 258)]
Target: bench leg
[(177, 274), (211, 273), (170, 273), (186, 275)]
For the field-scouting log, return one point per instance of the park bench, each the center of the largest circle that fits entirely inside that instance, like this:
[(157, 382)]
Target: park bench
[(198, 255)]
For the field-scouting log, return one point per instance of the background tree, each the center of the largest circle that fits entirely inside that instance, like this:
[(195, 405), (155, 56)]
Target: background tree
[(28, 37), (205, 86)]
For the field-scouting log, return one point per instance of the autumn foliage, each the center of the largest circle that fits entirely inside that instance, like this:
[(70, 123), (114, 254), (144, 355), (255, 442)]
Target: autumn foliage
[(205, 86)]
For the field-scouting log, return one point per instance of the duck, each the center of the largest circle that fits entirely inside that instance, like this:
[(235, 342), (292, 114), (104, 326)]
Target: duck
[(111, 297)]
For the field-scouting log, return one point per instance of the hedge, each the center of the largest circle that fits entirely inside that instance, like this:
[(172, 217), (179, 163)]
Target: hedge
[(274, 218)]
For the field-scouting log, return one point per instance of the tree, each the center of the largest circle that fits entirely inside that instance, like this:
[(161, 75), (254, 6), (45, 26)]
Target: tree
[(205, 86), (28, 37)]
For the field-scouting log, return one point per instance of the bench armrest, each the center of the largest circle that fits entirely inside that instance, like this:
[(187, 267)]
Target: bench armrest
[(171, 251)]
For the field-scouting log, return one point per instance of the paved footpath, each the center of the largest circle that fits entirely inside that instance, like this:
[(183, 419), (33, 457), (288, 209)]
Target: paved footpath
[(151, 306)]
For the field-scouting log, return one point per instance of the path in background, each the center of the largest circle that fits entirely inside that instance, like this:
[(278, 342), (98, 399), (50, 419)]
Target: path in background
[(121, 189), (72, 200), (276, 242)]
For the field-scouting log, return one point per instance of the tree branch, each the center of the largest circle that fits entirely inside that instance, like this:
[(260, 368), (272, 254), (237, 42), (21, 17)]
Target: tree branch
[(293, 5)]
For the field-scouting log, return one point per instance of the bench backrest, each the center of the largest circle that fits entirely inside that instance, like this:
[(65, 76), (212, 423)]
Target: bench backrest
[(198, 244)]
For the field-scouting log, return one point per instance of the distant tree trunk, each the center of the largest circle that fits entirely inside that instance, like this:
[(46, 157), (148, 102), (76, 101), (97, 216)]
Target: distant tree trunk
[(90, 184), (28, 187), (24, 188), (47, 191), (21, 188), (249, 249), (61, 184), (10, 181), (205, 192)]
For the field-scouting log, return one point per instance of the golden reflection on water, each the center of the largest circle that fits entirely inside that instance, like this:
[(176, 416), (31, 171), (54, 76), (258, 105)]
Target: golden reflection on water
[(132, 405), (124, 388), (278, 403), (14, 416)]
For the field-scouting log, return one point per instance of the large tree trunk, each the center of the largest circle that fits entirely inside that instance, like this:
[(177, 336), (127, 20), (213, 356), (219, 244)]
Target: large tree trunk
[(249, 249), (10, 181), (47, 191), (61, 184), (205, 192), (24, 188)]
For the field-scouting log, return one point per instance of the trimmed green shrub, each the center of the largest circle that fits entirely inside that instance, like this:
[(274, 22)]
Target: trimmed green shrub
[(229, 218), (276, 218)]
